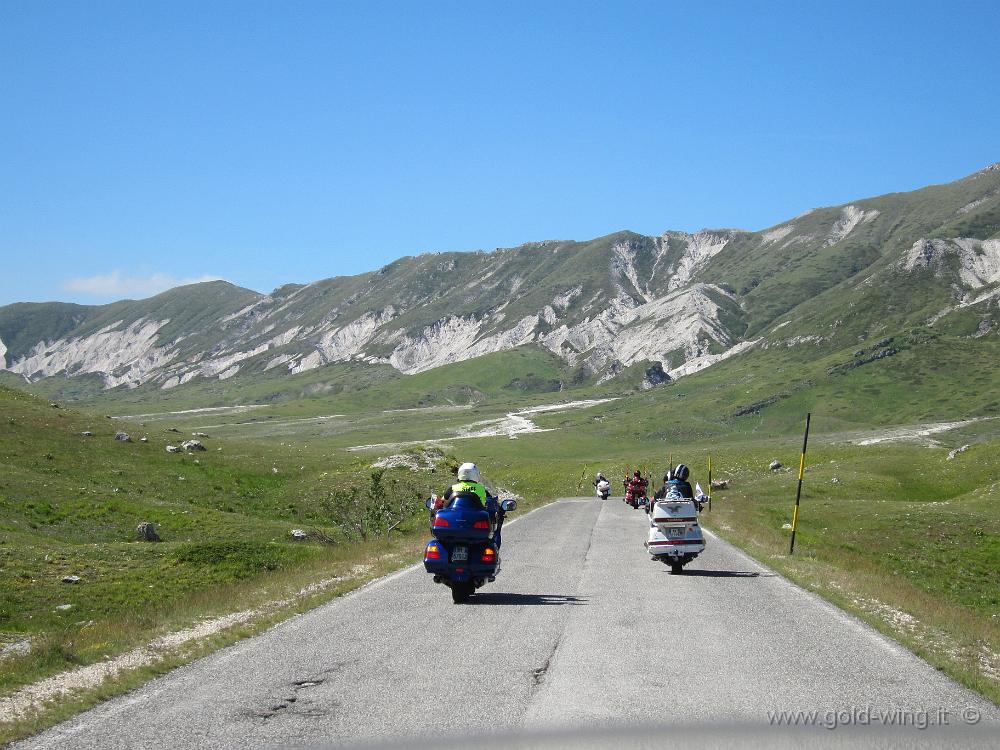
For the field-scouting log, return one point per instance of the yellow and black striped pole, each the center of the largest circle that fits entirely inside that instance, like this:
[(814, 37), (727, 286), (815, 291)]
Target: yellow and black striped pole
[(710, 482), (798, 491)]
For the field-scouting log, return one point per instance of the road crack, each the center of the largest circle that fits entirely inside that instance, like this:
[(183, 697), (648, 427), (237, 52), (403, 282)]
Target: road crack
[(538, 674)]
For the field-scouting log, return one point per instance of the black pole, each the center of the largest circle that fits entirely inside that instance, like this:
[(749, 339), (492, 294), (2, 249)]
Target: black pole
[(798, 491), (709, 482)]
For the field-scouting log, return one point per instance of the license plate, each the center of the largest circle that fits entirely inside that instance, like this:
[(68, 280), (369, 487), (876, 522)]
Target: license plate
[(676, 531), (460, 554)]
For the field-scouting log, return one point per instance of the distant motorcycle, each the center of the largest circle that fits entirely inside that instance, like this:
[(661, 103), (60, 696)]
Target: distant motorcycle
[(635, 495), (603, 488), (462, 555)]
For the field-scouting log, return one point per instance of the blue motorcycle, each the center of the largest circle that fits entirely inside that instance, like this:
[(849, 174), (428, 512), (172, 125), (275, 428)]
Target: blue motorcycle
[(464, 554)]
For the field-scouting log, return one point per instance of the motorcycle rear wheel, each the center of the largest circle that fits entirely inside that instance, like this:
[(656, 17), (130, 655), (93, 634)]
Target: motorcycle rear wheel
[(676, 569), (460, 592)]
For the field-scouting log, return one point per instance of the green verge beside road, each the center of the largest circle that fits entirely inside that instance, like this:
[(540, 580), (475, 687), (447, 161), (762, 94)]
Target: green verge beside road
[(898, 534)]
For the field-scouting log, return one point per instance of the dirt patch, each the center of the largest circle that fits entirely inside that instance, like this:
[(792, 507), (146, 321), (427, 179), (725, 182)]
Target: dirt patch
[(422, 460), (913, 433), (15, 648), (510, 425), (219, 410)]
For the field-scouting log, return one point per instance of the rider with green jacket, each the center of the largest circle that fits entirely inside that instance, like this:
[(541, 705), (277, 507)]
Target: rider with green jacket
[(469, 480)]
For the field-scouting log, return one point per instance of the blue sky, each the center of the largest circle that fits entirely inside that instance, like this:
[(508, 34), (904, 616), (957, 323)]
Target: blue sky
[(147, 144)]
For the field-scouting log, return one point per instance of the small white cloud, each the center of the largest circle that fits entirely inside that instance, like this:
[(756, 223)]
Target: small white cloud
[(116, 285)]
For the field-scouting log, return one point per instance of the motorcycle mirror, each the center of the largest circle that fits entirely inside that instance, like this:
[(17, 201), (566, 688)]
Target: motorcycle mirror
[(429, 502), (508, 505)]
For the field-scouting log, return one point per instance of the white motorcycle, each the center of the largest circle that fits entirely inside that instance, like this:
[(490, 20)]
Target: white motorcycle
[(603, 488), (675, 537)]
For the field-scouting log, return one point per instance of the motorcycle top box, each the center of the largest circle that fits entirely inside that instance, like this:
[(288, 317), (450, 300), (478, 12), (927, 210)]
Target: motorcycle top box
[(675, 536), (675, 512), (464, 519)]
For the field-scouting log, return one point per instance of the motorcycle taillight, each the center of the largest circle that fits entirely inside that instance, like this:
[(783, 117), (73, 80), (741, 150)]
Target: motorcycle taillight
[(433, 552), (489, 555), (481, 525), (440, 522)]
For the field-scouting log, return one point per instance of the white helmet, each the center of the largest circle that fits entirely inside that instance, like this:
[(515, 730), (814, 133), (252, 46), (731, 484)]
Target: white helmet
[(469, 473)]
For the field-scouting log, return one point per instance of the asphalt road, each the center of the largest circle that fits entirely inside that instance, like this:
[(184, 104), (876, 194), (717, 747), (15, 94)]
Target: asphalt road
[(581, 630)]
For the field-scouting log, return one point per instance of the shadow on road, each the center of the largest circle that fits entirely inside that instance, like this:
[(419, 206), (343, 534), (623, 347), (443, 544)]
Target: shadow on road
[(725, 574), (527, 599)]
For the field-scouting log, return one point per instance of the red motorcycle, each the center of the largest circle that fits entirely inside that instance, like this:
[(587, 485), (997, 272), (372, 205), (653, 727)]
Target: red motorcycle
[(635, 493)]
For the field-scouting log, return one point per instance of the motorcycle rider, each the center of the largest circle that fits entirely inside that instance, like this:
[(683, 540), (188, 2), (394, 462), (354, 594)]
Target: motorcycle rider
[(637, 485), (639, 480), (602, 487), (679, 481), (471, 481)]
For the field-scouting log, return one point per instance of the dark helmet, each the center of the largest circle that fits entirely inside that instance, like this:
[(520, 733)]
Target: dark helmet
[(637, 475), (681, 472)]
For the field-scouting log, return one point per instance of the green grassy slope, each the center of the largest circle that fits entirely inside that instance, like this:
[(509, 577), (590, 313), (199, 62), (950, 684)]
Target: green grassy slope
[(802, 269), (70, 504)]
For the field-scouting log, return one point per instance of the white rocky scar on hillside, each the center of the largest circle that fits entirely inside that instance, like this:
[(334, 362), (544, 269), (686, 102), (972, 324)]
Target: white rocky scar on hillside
[(339, 343), (707, 359), (442, 343), (593, 335), (701, 247), (777, 234), (622, 333), (3, 355), (561, 302), (973, 205), (685, 319), (121, 354), (978, 260), (851, 217), (350, 340), (623, 257), (226, 363), (335, 344)]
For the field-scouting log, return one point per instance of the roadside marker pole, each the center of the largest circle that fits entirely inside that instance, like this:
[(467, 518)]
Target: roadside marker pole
[(798, 491), (709, 482), (645, 470)]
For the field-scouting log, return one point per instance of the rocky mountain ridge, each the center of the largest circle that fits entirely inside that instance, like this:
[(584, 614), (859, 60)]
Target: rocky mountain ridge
[(680, 300)]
